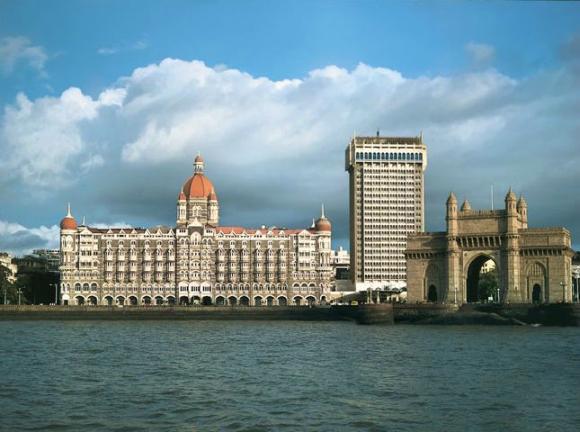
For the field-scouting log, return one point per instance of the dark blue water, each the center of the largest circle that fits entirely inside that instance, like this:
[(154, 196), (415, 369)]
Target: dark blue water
[(286, 376)]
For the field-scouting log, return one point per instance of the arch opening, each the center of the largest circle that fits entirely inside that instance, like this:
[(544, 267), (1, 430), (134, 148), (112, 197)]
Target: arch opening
[(432, 294), (482, 281), (537, 294)]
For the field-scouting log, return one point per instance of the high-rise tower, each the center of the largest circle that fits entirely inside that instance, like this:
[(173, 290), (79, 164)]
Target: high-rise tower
[(386, 196)]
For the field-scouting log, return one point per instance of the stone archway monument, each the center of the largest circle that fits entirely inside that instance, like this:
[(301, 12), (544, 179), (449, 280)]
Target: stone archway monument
[(532, 264)]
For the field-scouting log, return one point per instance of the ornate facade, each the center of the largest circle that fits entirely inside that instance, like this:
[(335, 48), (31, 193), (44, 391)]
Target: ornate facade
[(533, 264), (196, 261)]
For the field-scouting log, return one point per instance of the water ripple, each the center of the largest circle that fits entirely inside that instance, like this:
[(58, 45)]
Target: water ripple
[(285, 376)]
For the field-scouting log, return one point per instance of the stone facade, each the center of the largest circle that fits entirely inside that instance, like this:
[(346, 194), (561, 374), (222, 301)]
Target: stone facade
[(533, 264), (196, 261)]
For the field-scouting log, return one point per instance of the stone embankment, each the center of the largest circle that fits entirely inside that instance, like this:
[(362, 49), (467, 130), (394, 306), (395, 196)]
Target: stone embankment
[(513, 314)]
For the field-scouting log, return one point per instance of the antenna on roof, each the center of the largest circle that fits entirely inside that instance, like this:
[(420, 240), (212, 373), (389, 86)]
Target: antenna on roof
[(378, 132), (492, 196)]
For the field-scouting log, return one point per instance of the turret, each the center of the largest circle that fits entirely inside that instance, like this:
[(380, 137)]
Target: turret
[(213, 208), (68, 222), (451, 216), (511, 211), (465, 207), (181, 208), (522, 208), (322, 224)]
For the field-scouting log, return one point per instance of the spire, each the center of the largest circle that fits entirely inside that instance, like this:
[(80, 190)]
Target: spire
[(510, 195), (322, 215), (68, 214), (313, 224), (83, 224), (451, 198)]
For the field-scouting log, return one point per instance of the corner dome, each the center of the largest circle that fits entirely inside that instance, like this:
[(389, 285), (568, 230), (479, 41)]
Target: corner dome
[(323, 224), (68, 222)]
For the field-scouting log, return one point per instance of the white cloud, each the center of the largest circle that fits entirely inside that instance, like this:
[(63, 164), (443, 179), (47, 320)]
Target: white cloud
[(272, 145), (111, 50), (93, 161), (19, 50), (481, 54), (19, 240), (42, 138)]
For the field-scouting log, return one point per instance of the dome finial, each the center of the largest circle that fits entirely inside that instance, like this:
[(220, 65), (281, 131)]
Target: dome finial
[(68, 214), (322, 214), (84, 223), (198, 164)]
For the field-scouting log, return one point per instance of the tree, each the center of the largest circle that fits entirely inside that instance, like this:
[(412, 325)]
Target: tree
[(9, 288), (487, 286)]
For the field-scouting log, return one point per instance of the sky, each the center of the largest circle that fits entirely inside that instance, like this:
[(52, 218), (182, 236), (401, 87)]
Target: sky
[(104, 104)]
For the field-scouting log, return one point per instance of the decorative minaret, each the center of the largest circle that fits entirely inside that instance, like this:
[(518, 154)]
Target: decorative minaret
[(181, 208), (511, 211), (465, 207), (455, 291), (523, 211), (213, 208), (451, 216), (509, 290)]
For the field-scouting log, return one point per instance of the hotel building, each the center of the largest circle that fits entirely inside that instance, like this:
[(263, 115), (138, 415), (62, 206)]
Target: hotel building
[(197, 261), (386, 195)]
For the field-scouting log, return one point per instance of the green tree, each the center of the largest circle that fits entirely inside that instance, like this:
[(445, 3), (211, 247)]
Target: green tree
[(10, 288), (487, 286)]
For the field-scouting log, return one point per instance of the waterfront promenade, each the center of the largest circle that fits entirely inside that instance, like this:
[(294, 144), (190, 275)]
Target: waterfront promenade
[(435, 314)]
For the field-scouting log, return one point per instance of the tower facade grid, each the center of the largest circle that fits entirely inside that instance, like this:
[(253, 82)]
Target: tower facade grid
[(386, 197)]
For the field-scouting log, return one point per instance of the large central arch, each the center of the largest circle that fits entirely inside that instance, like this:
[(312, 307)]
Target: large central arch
[(472, 294)]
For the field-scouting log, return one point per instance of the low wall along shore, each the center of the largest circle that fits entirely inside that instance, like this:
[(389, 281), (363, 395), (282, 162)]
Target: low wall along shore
[(513, 314)]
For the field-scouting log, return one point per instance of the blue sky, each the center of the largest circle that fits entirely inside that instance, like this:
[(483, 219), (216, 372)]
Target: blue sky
[(486, 81)]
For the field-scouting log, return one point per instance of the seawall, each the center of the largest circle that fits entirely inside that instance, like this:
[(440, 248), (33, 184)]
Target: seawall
[(512, 314), (365, 314)]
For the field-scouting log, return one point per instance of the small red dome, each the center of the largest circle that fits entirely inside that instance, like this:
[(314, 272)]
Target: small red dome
[(197, 186), (181, 196), (323, 224), (212, 196), (68, 223)]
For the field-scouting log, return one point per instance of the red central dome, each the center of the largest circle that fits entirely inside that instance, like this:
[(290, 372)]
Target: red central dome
[(197, 186)]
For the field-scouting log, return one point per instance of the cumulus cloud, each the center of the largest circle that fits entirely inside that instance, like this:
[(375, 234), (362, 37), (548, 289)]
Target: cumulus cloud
[(16, 50), (275, 149), (19, 240), (481, 54)]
